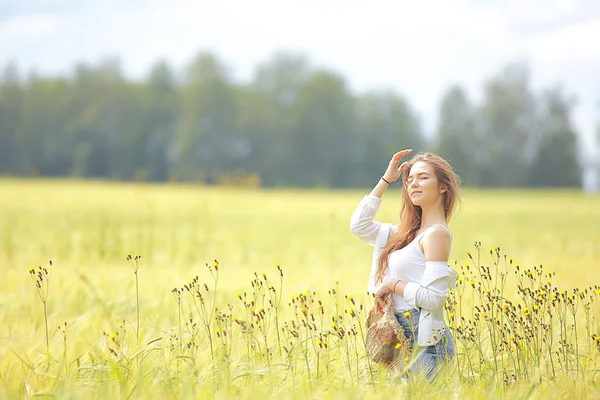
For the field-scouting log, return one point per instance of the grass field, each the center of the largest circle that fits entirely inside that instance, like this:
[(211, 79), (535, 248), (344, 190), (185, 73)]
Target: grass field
[(88, 229)]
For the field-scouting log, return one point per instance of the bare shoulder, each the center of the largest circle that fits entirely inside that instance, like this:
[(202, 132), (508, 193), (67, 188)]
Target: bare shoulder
[(436, 243)]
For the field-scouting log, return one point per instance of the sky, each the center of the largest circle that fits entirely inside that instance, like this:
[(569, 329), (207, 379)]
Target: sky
[(417, 48)]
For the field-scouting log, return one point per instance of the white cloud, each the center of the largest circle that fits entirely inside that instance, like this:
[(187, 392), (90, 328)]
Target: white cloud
[(28, 26), (572, 44)]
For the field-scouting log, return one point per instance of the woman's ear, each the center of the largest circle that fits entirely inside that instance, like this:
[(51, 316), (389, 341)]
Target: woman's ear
[(443, 189)]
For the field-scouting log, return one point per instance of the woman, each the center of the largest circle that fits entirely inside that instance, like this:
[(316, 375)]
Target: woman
[(410, 260)]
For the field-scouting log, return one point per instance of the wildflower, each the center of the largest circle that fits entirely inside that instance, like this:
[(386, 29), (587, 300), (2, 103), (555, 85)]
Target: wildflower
[(333, 325), (451, 315), (112, 336), (598, 291), (472, 283), (398, 345), (406, 314), (490, 250), (350, 298), (352, 312), (536, 307), (405, 359)]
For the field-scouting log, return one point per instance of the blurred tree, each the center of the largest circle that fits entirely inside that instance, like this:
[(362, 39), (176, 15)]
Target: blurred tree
[(556, 162), (386, 124), (322, 130), (11, 97), (98, 112), (292, 125), (205, 142), (41, 145), (457, 139), (273, 94), (509, 130), (159, 122), (260, 144)]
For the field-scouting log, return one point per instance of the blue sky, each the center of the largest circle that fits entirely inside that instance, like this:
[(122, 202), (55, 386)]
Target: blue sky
[(416, 48)]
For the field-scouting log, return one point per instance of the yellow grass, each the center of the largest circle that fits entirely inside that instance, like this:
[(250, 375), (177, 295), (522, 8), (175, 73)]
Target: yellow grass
[(87, 230)]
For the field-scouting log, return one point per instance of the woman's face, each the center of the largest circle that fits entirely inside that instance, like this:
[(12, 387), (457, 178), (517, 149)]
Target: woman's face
[(422, 185)]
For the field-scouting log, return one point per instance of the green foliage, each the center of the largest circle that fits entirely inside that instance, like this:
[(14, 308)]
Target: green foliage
[(293, 125)]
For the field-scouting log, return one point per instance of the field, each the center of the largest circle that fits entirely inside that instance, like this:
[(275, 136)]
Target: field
[(108, 340)]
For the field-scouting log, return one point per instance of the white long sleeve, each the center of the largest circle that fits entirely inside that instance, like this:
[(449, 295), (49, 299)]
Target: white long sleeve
[(431, 297), (362, 222)]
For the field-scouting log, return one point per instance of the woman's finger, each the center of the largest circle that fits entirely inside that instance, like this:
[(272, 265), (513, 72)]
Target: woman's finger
[(403, 166)]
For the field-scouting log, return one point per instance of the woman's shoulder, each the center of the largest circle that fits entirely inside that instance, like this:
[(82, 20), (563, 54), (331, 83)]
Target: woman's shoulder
[(439, 231), (436, 241)]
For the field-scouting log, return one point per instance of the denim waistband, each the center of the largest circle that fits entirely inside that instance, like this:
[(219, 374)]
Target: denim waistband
[(412, 311)]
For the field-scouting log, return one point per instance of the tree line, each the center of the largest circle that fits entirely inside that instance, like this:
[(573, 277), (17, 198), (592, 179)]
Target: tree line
[(293, 125)]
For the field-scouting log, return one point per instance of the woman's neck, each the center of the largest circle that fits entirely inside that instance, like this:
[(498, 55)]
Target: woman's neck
[(432, 216)]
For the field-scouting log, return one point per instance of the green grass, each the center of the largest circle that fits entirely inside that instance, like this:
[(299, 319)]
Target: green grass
[(88, 229)]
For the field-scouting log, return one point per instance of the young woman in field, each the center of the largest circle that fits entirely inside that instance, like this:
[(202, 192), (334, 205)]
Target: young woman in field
[(410, 260)]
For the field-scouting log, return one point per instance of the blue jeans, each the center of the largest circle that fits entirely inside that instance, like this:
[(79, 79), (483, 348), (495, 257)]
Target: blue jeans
[(434, 357)]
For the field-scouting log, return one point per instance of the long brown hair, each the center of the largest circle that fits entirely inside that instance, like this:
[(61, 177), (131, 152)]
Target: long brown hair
[(411, 215)]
